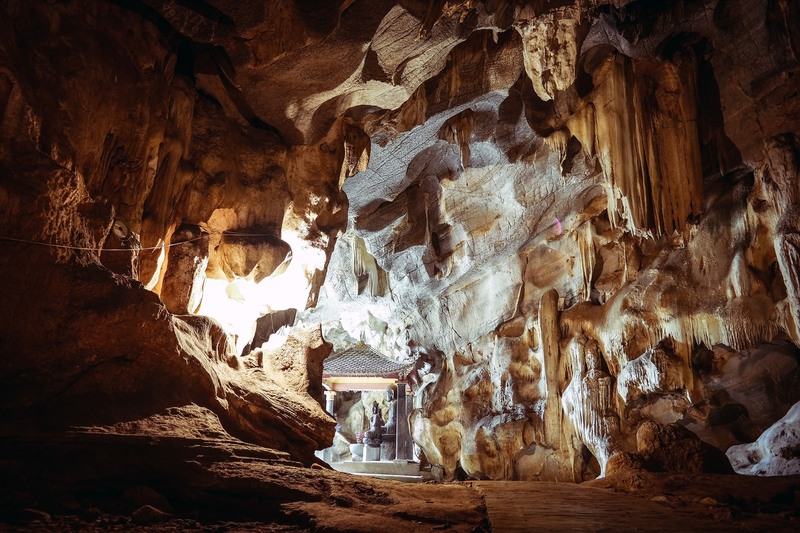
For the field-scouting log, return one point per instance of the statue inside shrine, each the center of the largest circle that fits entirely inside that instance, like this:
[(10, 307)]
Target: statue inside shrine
[(391, 398), (383, 435), (372, 437), (389, 437)]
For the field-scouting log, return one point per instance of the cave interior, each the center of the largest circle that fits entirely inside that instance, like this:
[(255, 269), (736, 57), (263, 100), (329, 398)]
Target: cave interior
[(568, 231)]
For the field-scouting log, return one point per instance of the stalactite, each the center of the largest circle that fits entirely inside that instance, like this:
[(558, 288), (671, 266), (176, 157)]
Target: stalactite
[(432, 15), (558, 141), (585, 238), (356, 150), (458, 130), (642, 124), (711, 329), (454, 78), (611, 122), (666, 114), (550, 49), (366, 269)]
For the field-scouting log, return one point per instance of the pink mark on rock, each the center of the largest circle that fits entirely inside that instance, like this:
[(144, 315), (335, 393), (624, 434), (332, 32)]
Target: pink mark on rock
[(559, 227)]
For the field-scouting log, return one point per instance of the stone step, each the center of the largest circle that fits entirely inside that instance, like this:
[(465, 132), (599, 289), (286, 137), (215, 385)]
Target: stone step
[(393, 477), (406, 469)]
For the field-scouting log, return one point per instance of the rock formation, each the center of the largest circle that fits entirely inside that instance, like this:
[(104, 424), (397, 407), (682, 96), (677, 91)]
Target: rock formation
[(583, 215), (775, 453), (627, 180), (121, 174)]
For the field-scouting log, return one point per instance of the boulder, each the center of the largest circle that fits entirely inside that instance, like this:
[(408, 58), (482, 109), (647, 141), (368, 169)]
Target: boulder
[(775, 453)]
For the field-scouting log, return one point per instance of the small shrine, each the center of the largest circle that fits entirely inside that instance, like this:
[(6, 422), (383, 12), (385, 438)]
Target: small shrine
[(368, 394), (362, 368)]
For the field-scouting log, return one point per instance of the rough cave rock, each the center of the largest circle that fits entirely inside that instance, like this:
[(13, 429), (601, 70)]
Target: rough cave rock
[(584, 214)]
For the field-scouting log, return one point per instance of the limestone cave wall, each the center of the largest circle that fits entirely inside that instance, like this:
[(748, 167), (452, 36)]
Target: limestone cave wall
[(584, 218), (134, 173)]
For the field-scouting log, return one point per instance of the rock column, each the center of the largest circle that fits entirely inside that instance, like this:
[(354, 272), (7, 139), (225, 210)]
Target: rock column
[(551, 335), (330, 397), (403, 438)]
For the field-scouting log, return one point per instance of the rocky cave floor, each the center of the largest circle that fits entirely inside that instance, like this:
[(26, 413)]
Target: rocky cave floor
[(182, 471)]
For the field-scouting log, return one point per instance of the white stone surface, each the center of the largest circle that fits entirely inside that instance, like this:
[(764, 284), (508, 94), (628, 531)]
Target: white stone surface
[(775, 453)]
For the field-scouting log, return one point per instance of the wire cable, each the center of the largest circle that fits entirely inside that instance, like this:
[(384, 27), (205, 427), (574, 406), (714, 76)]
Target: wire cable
[(89, 249), (143, 249), (240, 234)]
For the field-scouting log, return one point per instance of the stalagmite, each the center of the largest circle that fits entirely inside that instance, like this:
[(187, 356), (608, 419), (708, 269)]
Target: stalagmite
[(775, 451), (587, 401), (551, 334)]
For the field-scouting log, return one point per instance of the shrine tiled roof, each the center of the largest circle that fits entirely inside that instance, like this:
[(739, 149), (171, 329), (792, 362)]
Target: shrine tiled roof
[(363, 361)]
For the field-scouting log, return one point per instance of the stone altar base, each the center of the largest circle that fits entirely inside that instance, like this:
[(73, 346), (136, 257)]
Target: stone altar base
[(372, 453), (395, 470), (388, 451)]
